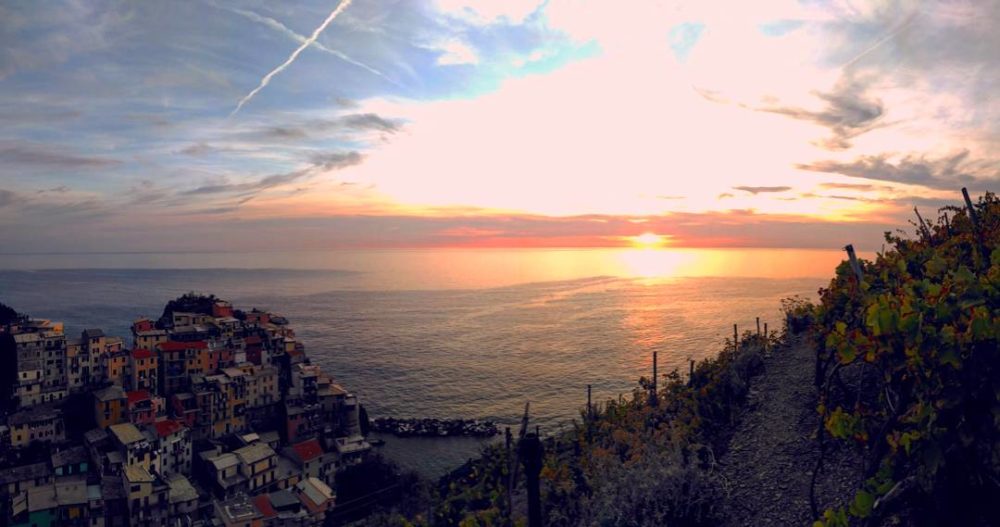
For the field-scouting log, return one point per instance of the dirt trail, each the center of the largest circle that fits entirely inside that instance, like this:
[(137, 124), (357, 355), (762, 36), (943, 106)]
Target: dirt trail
[(769, 463)]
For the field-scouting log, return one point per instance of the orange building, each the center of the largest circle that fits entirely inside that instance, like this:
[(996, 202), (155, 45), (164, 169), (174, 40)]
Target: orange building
[(143, 370), (110, 405)]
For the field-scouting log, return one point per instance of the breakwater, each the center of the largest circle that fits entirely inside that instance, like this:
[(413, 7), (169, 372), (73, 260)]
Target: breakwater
[(434, 427)]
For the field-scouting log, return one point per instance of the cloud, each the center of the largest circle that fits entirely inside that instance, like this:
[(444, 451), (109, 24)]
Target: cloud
[(336, 160), (370, 121), (853, 186), (248, 190), (455, 52), (849, 112), (199, 149), (947, 173), (7, 197), (760, 190), (47, 156)]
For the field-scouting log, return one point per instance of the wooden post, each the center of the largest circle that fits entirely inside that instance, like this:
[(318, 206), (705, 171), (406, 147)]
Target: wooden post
[(736, 339), (767, 337), (510, 476), (758, 326), (854, 262), (652, 396), (923, 226), (532, 452), (589, 407), (972, 210), (690, 372)]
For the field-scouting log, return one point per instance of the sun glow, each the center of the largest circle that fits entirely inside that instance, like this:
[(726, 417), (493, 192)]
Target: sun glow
[(648, 240)]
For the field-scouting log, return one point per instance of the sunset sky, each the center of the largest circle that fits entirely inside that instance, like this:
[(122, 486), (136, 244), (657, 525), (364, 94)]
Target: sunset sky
[(145, 126)]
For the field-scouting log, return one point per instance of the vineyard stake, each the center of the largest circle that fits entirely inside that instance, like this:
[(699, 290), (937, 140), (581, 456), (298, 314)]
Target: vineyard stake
[(854, 262), (972, 210), (923, 226), (736, 337)]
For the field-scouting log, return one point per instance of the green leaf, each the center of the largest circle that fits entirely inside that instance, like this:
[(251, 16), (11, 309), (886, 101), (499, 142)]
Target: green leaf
[(863, 503)]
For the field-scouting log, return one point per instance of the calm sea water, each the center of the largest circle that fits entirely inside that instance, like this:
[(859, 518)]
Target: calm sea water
[(451, 333)]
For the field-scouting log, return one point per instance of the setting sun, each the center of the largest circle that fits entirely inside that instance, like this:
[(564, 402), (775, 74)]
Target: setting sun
[(648, 240)]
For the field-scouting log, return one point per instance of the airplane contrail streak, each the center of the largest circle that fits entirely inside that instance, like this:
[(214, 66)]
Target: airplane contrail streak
[(291, 58), (902, 25), (285, 30)]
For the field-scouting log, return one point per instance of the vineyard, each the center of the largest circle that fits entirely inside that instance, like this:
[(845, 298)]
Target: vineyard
[(908, 372)]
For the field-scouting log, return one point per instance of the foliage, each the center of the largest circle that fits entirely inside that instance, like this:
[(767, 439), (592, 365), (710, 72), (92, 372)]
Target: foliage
[(629, 462), (920, 332), (187, 303), (8, 315)]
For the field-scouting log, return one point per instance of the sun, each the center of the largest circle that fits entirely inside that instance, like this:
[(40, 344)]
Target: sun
[(648, 240)]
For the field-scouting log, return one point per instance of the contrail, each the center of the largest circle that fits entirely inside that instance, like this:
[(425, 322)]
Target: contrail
[(881, 41), (281, 28), (291, 58)]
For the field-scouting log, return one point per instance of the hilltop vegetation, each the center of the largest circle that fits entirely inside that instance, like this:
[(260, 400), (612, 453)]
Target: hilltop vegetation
[(908, 370)]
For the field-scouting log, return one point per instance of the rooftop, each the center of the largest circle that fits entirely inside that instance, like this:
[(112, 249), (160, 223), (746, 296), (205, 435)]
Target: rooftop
[(142, 353), (110, 393), (255, 452), (72, 455), (34, 414), (307, 450), (137, 474), (93, 333), (137, 396), (111, 488), (167, 427), (95, 436), (42, 498), (173, 345), (126, 433), (263, 504), (238, 509), (181, 489), (316, 492), (283, 499), (24, 472), (224, 461)]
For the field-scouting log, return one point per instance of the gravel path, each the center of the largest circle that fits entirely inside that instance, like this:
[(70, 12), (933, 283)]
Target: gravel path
[(771, 455)]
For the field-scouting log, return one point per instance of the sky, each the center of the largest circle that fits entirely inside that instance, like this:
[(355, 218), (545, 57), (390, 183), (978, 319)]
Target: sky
[(209, 125)]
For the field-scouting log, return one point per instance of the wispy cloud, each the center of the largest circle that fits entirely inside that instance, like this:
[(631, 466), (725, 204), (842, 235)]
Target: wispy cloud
[(762, 190), (947, 173), (291, 58), (849, 113), (49, 156)]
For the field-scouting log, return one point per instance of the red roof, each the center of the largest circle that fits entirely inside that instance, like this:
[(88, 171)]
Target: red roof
[(141, 353), (167, 427), (137, 395), (308, 450), (263, 504), (173, 345)]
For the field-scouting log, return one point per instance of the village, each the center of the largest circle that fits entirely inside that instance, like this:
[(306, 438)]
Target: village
[(209, 416)]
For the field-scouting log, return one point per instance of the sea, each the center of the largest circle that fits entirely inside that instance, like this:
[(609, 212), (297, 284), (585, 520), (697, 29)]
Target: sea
[(452, 333)]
